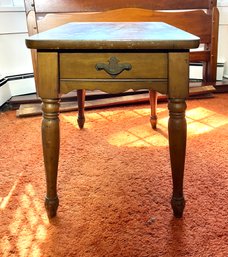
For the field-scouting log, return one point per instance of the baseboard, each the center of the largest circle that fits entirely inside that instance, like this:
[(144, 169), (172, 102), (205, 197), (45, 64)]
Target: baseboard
[(16, 85), (5, 79), (5, 93)]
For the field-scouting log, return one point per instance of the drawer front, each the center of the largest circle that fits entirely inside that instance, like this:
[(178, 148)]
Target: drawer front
[(113, 65)]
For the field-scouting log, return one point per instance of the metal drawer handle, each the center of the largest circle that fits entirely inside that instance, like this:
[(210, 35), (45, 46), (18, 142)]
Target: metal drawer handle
[(113, 67)]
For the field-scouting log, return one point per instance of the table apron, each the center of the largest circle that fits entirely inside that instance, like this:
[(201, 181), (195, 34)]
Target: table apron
[(114, 86)]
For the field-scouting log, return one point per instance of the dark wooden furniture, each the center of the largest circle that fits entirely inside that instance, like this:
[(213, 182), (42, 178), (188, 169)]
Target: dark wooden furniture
[(113, 57), (199, 17)]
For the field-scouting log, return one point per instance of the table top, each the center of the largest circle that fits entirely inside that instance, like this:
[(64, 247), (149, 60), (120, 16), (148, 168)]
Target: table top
[(113, 35)]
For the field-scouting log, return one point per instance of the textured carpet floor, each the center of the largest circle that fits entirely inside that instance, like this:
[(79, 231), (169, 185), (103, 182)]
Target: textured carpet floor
[(115, 184)]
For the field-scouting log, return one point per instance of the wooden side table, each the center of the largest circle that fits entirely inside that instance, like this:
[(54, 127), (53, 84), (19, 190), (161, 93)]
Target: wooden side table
[(113, 57)]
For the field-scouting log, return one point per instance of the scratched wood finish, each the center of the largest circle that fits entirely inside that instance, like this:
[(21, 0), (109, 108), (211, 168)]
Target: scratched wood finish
[(114, 35)]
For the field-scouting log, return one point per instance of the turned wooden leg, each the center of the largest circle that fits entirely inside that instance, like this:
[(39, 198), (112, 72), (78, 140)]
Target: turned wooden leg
[(51, 141), (81, 105), (153, 105), (177, 144)]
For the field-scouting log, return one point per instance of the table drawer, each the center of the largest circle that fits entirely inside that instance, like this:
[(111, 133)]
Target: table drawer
[(113, 65)]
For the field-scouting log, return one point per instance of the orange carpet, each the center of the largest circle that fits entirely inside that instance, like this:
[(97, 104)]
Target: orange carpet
[(114, 185)]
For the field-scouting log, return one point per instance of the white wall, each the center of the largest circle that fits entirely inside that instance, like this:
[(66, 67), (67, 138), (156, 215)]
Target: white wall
[(12, 3), (223, 35), (15, 58)]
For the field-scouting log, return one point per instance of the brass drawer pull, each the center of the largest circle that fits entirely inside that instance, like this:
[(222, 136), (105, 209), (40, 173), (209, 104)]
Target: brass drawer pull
[(113, 68)]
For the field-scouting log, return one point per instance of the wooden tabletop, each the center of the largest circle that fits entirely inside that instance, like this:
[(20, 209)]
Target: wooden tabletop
[(113, 35)]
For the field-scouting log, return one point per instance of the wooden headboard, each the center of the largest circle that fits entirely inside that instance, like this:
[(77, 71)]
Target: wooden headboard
[(199, 17)]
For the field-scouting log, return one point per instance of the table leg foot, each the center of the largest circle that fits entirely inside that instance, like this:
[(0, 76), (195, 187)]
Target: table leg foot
[(153, 105), (81, 122), (178, 204), (51, 206), (153, 121), (81, 107)]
